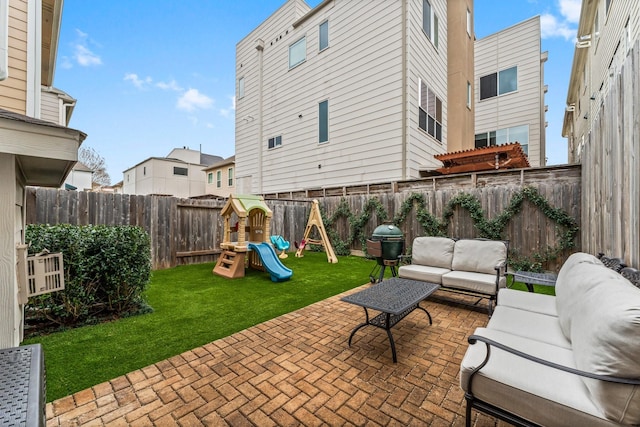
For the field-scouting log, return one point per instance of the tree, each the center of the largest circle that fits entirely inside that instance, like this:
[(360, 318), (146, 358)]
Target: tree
[(97, 164)]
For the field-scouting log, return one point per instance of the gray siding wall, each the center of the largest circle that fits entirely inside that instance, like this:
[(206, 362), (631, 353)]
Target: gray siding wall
[(361, 76), (519, 46)]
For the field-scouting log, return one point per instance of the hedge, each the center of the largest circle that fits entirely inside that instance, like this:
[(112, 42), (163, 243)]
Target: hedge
[(106, 271)]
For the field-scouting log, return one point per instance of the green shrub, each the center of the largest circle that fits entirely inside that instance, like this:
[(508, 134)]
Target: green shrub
[(106, 270)]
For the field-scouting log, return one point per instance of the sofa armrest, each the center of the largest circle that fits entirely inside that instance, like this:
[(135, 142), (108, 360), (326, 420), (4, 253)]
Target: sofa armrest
[(473, 339)]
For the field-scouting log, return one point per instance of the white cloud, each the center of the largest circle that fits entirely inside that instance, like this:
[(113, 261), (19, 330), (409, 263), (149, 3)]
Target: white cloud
[(66, 63), (192, 100), (570, 10), (172, 85), (82, 54), (137, 81), (550, 26)]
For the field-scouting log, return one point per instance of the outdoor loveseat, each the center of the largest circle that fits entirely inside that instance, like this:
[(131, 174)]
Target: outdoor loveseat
[(572, 359), (470, 266)]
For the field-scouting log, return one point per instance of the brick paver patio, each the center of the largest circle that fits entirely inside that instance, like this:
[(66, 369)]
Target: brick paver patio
[(295, 370)]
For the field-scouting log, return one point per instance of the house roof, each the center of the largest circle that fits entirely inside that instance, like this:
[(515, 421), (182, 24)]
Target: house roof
[(228, 161), (209, 159), (242, 204), (508, 156), (45, 151)]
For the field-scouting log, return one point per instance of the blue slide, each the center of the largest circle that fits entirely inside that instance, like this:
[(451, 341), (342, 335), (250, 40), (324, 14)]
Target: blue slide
[(270, 261)]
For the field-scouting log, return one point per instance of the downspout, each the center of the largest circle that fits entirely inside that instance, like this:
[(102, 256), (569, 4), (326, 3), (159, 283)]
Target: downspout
[(405, 88), (260, 49), (34, 58)]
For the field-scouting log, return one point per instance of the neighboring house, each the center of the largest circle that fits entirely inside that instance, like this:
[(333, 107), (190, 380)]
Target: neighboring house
[(179, 174), (115, 188), (57, 106), (510, 90), (32, 151), (342, 94), (606, 33), (220, 178), (80, 178)]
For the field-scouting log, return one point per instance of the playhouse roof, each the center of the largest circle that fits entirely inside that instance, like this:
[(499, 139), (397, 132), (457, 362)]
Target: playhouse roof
[(242, 204)]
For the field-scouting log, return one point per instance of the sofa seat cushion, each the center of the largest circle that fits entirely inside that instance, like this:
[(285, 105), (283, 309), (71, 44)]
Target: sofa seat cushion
[(480, 256), (524, 387), (537, 303), (473, 282), (422, 272), (432, 251), (528, 324)]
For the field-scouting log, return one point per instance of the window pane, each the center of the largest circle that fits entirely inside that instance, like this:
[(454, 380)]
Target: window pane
[(435, 30), (426, 17), (272, 142), (423, 94), (180, 171), (492, 138), (297, 52), (481, 140), (323, 121), (230, 177), (324, 35), (509, 80), (210, 178), (488, 86), (439, 132), (431, 107), (502, 137), (438, 110), (219, 179), (519, 134), (422, 119), (431, 126), (468, 95), (241, 87), (278, 141)]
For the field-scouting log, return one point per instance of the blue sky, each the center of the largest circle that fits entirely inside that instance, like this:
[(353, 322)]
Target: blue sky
[(150, 76)]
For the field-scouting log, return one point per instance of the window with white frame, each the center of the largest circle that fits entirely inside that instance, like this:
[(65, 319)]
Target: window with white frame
[(430, 22), (218, 179), (274, 142), (240, 87), (298, 52), (323, 36), (230, 175), (519, 134), (323, 121), (429, 111), (468, 22), (469, 95), (210, 178), (500, 83)]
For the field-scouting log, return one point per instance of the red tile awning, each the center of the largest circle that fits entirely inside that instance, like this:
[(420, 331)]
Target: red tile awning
[(508, 156)]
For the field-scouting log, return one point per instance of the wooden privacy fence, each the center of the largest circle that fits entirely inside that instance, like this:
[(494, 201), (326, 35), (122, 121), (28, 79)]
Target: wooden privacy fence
[(611, 169), (187, 231)]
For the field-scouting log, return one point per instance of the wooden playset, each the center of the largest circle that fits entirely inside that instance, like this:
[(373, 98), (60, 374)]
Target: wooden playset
[(315, 220)]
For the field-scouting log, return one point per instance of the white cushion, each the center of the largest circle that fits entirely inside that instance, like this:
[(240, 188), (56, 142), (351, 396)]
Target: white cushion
[(537, 303), (574, 281), (528, 324), (471, 281), (422, 272), (480, 256), (432, 251), (605, 334), (536, 392)]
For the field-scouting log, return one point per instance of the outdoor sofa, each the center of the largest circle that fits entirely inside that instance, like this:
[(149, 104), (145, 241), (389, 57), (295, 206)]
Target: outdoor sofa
[(470, 266), (569, 359)]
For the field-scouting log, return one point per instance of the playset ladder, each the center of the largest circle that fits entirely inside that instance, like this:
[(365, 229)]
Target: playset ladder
[(315, 219), (230, 264)]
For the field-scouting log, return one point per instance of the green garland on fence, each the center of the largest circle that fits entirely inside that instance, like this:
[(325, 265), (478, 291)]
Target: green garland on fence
[(490, 229)]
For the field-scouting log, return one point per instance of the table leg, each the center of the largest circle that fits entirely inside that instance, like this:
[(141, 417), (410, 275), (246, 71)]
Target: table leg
[(362, 325), (425, 310), (393, 344)]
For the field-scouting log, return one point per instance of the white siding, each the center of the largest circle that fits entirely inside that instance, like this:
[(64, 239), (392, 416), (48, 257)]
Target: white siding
[(155, 176), (361, 76), (519, 46), (50, 108)]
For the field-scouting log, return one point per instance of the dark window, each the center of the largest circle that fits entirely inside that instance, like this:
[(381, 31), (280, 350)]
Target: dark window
[(180, 171), (275, 141), (323, 121), (430, 22), (481, 140), (429, 111), (324, 35), (489, 86)]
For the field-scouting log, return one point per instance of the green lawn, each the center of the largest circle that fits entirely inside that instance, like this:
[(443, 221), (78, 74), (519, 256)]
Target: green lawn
[(192, 307)]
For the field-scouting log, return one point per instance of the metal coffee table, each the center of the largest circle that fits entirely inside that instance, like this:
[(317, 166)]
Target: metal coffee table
[(395, 298), (529, 279)]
